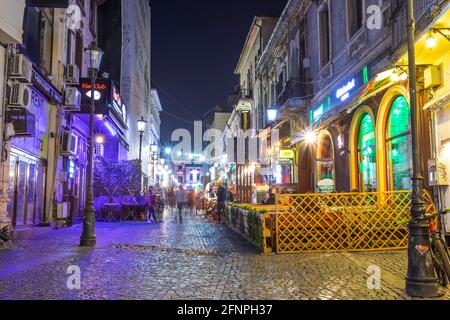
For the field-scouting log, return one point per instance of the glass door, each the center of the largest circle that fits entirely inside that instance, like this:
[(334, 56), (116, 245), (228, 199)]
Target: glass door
[(31, 195), (26, 191), (20, 194)]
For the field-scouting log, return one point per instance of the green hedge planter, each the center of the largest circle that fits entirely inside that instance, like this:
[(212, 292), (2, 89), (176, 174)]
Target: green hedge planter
[(247, 222)]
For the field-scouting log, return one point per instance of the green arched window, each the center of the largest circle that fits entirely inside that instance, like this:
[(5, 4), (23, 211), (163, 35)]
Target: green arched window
[(367, 160), (398, 145)]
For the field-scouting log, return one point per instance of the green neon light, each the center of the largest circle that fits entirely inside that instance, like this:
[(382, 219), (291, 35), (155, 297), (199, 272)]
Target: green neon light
[(366, 74)]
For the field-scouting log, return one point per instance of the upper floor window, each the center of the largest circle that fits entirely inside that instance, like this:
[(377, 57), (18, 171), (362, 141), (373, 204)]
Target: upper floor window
[(355, 16), (93, 18), (303, 48), (38, 37), (324, 36)]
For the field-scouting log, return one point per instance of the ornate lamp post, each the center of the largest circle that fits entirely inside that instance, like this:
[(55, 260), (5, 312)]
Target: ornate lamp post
[(421, 279), (88, 234), (141, 128)]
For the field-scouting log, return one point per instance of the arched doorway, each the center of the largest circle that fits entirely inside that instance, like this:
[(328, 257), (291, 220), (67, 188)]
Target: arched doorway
[(367, 160), (326, 176), (393, 136), (363, 151), (399, 145)]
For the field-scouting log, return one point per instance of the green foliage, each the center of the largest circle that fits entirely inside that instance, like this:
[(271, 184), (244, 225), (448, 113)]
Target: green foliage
[(254, 232)]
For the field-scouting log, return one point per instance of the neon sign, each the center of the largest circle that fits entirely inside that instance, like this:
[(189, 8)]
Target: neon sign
[(343, 93)]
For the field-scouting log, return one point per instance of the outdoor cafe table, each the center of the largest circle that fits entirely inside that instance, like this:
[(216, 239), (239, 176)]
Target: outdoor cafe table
[(111, 209)]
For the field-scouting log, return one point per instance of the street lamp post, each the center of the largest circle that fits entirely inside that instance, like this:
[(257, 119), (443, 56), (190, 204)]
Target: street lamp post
[(421, 278), (141, 128), (88, 237)]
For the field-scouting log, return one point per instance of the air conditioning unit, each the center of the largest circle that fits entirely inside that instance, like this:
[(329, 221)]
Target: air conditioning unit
[(72, 99), (72, 74), (20, 68), (19, 96), (63, 210), (69, 144)]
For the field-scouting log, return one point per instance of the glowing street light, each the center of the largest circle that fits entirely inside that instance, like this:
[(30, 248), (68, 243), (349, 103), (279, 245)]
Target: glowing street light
[(272, 115), (310, 137)]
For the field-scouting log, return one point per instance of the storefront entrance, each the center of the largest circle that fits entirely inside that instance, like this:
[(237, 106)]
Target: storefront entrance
[(326, 178), (26, 190)]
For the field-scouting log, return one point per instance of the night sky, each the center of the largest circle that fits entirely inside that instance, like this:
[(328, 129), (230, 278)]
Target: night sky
[(195, 48)]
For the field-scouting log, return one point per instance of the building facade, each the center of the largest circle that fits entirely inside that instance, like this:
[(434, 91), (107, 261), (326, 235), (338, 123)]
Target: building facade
[(126, 38), (334, 77)]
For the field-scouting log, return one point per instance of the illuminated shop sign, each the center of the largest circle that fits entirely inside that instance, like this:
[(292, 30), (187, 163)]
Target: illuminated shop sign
[(101, 89), (286, 154), (245, 120), (344, 92), (107, 99), (341, 94), (118, 104)]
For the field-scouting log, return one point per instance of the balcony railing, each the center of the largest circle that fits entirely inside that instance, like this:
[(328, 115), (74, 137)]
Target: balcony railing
[(424, 12), (295, 89)]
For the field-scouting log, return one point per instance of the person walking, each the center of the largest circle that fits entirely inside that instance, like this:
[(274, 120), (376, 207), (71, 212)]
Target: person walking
[(221, 198), (151, 204), (180, 198)]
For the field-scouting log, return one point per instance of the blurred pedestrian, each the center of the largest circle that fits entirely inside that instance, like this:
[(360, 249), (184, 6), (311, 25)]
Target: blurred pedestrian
[(180, 198), (150, 204), (221, 198)]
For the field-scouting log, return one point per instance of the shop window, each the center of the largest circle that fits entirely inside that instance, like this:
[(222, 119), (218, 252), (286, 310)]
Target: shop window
[(398, 145), (367, 155)]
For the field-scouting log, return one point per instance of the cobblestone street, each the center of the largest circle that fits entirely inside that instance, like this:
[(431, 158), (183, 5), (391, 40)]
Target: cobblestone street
[(193, 260)]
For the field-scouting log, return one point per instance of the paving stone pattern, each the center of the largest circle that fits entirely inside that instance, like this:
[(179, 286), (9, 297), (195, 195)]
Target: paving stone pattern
[(193, 260)]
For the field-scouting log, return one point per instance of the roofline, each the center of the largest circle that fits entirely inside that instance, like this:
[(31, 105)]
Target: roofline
[(155, 95), (247, 40)]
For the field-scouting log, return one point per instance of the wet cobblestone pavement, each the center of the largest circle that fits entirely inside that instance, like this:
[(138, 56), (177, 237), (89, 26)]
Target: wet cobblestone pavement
[(193, 260)]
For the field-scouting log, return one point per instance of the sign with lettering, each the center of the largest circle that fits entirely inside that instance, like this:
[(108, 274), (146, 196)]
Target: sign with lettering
[(340, 94), (45, 86), (286, 154)]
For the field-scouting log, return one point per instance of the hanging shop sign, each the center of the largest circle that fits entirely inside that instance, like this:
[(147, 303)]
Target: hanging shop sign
[(345, 90), (118, 104), (106, 97), (245, 104), (245, 120), (286, 154)]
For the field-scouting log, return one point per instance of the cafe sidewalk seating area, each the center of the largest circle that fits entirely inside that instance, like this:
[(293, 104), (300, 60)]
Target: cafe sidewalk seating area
[(329, 222), (121, 208)]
